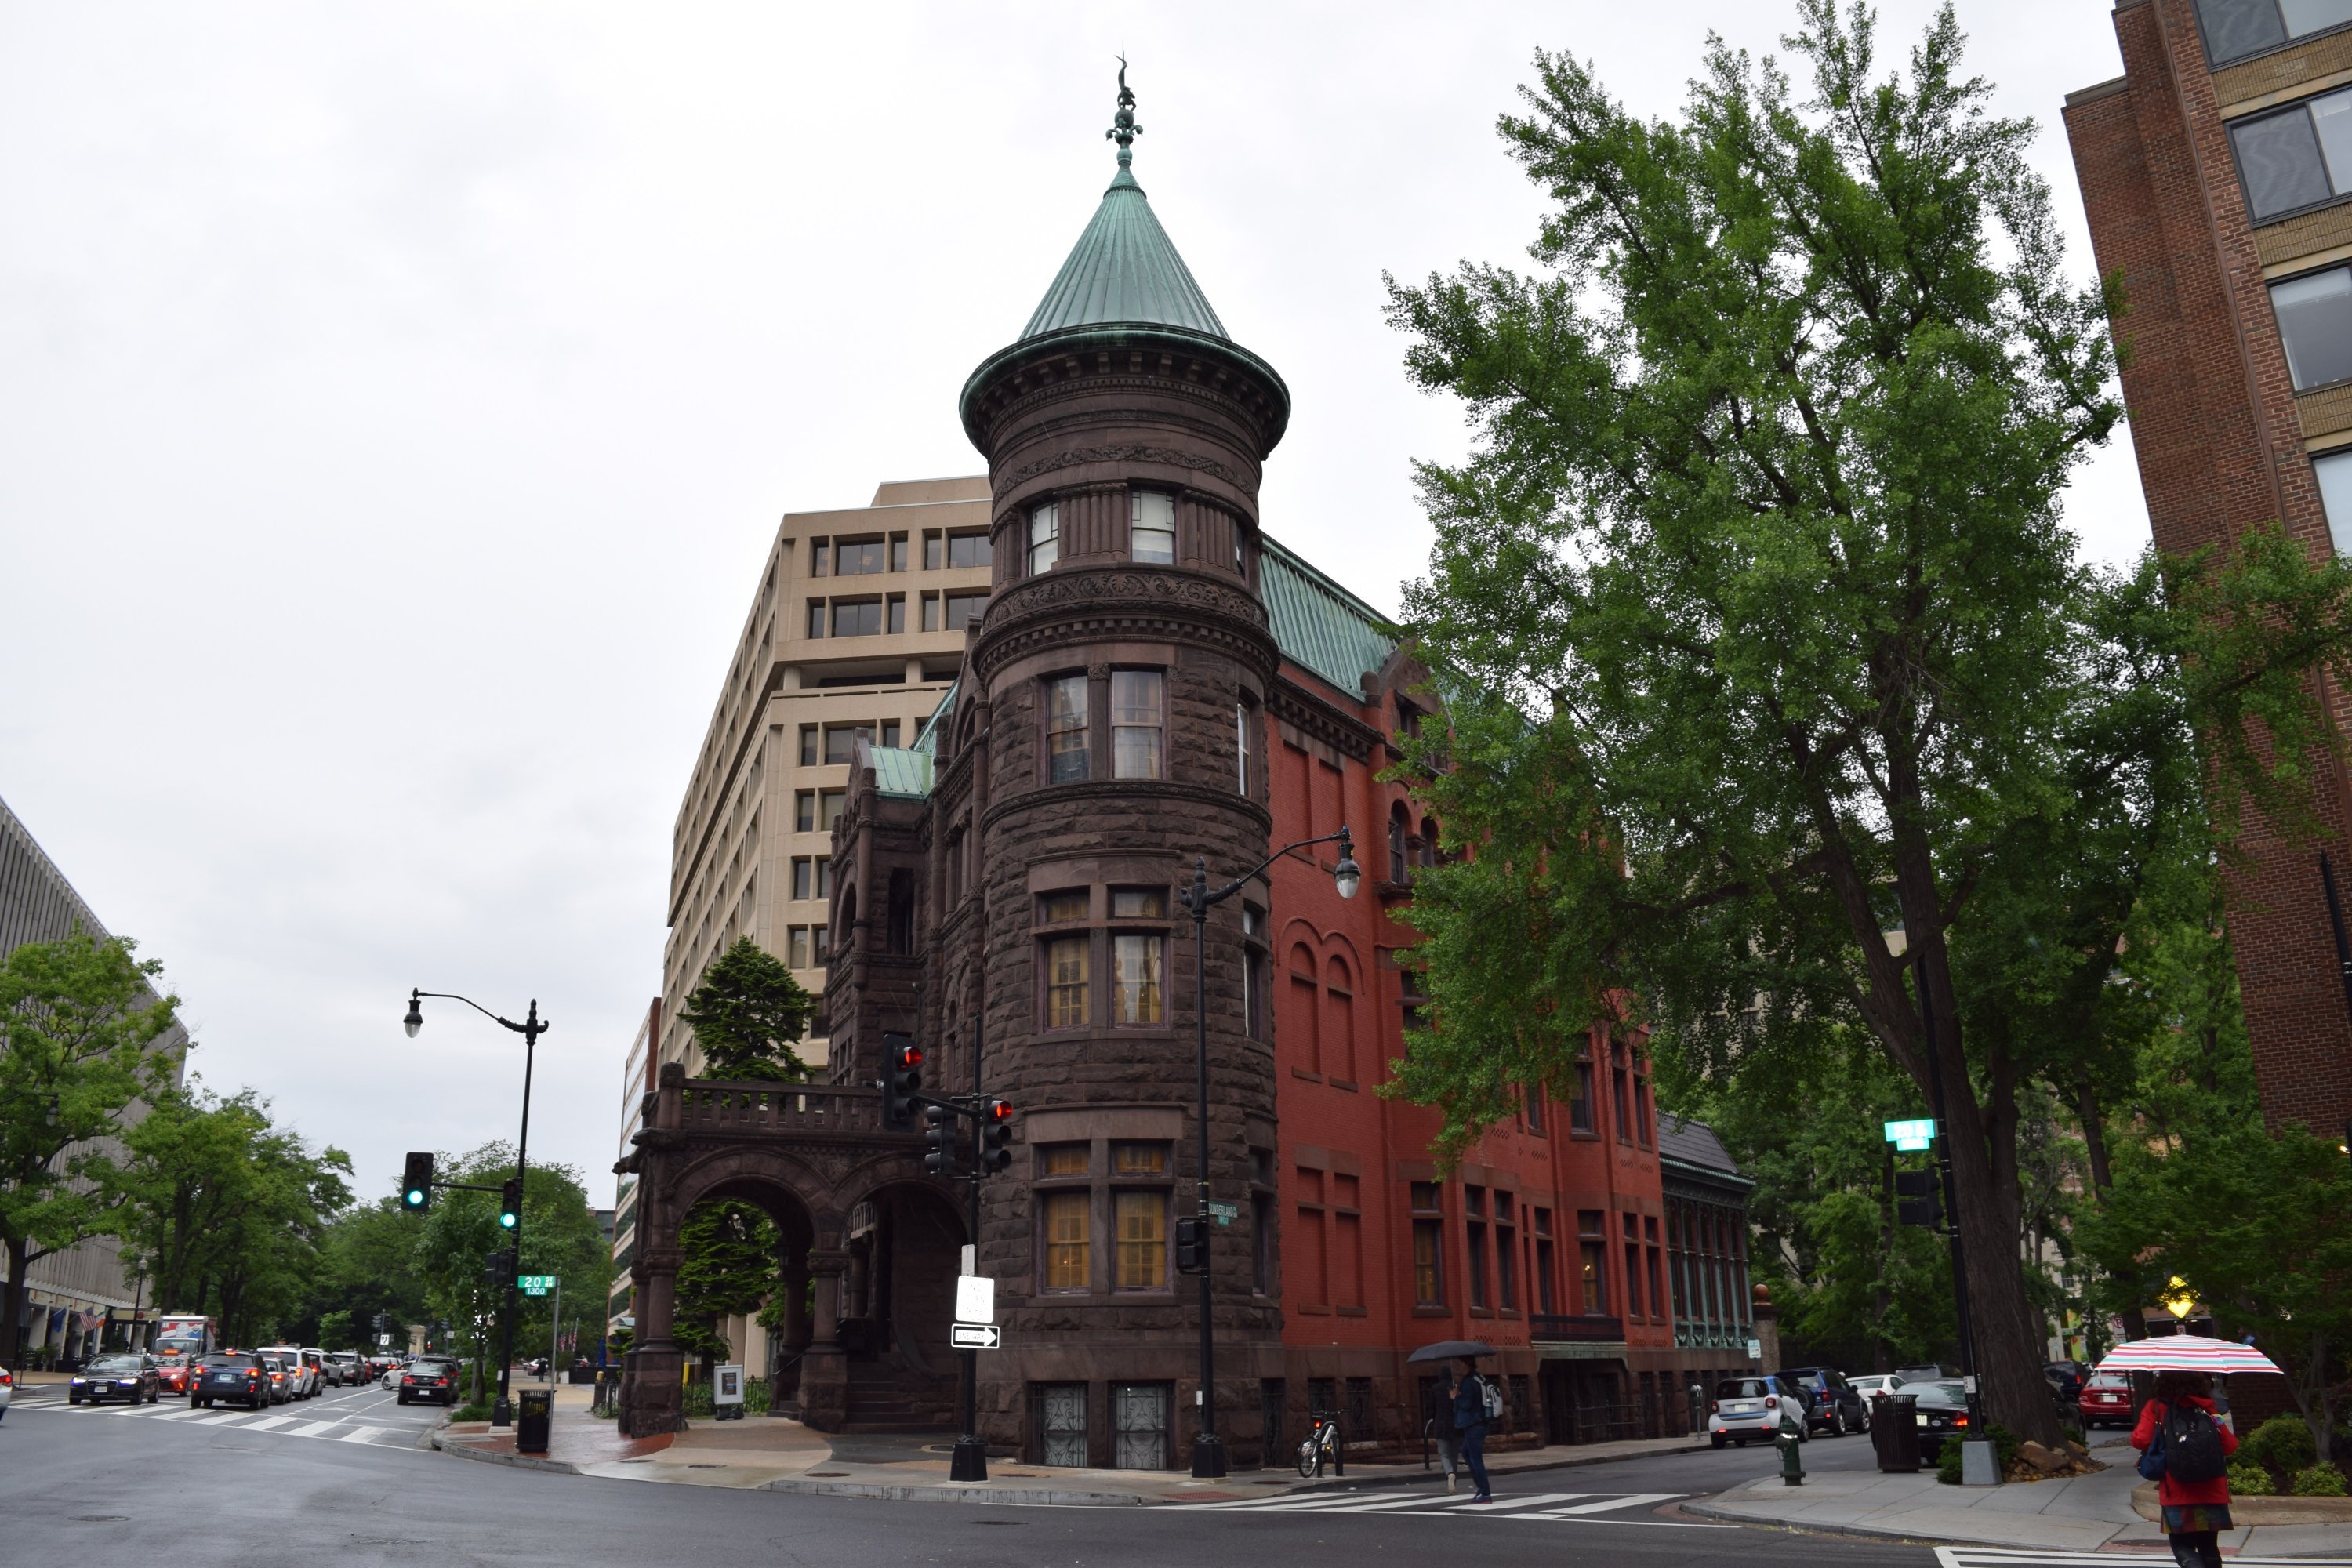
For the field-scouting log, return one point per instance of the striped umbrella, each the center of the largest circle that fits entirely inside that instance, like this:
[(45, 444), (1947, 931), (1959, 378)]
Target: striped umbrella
[(2186, 1352)]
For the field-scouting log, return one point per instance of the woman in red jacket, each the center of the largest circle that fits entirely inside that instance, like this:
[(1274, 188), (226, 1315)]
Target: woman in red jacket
[(2194, 1512)]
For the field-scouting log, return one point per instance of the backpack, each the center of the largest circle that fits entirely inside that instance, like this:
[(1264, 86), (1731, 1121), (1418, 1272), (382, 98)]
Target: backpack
[(1490, 1398), (2192, 1445)]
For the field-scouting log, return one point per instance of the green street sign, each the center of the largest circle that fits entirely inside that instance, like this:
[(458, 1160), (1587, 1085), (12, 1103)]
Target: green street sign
[(1225, 1214), (536, 1284), (1911, 1134)]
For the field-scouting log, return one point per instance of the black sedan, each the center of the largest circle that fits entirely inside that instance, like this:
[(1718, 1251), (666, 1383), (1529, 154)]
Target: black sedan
[(131, 1378), (429, 1377), (232, 1377), (1942, 1413)]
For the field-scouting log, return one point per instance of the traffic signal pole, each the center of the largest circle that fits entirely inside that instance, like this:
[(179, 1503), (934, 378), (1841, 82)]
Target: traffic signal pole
[(969, 1462), (502, 1412)]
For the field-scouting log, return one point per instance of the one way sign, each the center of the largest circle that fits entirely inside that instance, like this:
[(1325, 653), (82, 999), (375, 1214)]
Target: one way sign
[(976, 1337)]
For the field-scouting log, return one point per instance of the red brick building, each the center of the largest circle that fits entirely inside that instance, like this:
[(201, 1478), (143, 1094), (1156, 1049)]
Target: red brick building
[(2217, 176)]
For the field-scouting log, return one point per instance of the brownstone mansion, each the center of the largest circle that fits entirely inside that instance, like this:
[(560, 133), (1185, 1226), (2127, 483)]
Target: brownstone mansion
[(1143, 681)]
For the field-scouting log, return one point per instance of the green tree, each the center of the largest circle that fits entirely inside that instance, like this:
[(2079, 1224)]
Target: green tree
[(747, 1015), (1766, 637), (561, 1237), (77, 1019), (727, 1267)]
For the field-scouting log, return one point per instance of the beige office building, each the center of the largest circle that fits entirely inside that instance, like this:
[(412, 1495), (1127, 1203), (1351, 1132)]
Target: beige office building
[(857, 629)]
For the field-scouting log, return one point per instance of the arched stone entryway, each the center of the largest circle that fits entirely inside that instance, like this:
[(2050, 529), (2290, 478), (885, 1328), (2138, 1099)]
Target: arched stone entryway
[(873, 1239)]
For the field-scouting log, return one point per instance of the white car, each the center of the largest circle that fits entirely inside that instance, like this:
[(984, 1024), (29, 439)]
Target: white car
[(1747, 1409), (1870, 1386), (391, 1379), (8, 1386), (302, 1377)]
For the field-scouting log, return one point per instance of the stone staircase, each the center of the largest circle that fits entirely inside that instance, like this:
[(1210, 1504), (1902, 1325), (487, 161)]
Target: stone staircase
[(884, 1398)]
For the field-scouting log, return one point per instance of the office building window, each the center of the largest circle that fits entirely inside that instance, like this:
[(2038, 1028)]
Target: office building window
[(897, 553), (894, 615), (1066, 1216), (816, 617), (2237, 28), (1261, 1243), (965, 608), (969, 550), (824, 875), (808, 745), (841, 741), (805, 811), (1579, 1110), (1044, 538), (1152, 527), (1064, 961), (857, 558), (1065, 728), (1592, 1261), (1142, 1239), (930, 612), (2335, 471), (796, 948), (1136, 720), (890, 732), (2314, 321), (1619, 1093), (1428, 1269), (829, 804), (820, 557), (930, 553), (821, 944), (1255, 966), (2299, 157), (1545, 1262), (803, 879), (1532, 1097), (1633, 1267), (1137, 994), (857, 617)]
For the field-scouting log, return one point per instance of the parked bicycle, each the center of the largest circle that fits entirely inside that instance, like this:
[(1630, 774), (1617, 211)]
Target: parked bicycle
[(1321, 1444)]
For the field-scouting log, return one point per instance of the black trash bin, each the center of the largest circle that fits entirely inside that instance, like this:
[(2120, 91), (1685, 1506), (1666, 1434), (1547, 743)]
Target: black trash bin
[(1894, 1432), (536, 1416)]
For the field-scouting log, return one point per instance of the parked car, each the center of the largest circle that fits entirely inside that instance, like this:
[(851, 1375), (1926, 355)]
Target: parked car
[(128, 1377), (1747, 1409), (7, 1387), (1831, 1403), (430, 1377), (1942, 1413), (1925, 1372), (2106, 1400), (234, 1377), (2066, 1377), (314, 1361), (1870, 1386)]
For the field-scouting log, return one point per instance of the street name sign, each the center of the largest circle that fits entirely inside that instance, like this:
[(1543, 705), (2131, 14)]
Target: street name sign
[(1225, 1214), (976, 1337), (536, 1284), (1911, 1134)]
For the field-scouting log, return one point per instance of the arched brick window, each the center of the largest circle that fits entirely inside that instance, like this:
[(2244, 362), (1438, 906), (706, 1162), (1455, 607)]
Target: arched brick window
[(1306, 1006), (1337, 1034)]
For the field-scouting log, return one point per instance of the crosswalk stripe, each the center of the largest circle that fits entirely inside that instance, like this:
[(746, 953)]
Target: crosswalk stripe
[(311, 1428), (361, 1434), (1418, 1499), (1297, 1504), (1530, 1499), (229, 1420), (1608, 1505), (268, 1423), (179, 1415)]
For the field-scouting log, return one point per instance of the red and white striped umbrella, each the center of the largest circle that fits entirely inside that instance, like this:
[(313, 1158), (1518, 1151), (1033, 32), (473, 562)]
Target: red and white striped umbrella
[(2186, 1352)]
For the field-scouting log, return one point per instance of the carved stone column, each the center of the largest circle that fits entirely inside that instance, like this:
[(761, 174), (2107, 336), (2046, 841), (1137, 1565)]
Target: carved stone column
[(825, 1370)]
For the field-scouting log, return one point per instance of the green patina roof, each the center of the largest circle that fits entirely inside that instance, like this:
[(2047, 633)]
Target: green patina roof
[(901, 771), (1320, 624), (927, 740), (1124, 271)]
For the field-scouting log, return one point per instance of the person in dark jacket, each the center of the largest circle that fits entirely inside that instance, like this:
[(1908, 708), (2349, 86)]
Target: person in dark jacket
[(1470, 1426), (1449, 1445), (2194, 1512)]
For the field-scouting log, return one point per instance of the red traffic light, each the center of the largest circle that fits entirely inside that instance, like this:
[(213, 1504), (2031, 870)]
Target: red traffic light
[(909, 1056), (999, 1110)]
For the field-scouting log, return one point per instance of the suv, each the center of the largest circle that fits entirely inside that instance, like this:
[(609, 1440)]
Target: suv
[(300, 1381), (1831, 1403), (238, 1377)]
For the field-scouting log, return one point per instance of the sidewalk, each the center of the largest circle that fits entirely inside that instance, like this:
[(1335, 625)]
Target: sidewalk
[(776, 1454), (2082, 1513)]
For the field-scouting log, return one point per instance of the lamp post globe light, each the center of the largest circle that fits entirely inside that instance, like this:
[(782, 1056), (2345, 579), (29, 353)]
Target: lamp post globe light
[(1209, 1449), (531, 1028)]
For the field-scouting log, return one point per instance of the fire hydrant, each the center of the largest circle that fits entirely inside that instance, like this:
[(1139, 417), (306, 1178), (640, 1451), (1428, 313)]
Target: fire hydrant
[(1789, 1440)]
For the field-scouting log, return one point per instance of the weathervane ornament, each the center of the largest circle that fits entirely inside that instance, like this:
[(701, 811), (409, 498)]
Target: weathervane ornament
[(1124, 129)]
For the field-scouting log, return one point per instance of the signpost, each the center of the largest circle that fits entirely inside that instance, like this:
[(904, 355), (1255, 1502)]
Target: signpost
[(537, 1284), (1911, 1135), (976, 1337), (1225, 1214)]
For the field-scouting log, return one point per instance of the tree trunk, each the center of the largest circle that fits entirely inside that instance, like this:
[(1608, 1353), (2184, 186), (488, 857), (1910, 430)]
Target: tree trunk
[(12, 1309)]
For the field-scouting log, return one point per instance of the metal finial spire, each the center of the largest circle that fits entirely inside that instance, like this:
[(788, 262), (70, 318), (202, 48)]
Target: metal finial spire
[(1124, 129)]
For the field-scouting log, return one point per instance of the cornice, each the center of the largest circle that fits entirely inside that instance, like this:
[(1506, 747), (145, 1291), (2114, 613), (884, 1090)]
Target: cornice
[(1294, 704), (1085, 605), (1124, 452), (1067, 799)]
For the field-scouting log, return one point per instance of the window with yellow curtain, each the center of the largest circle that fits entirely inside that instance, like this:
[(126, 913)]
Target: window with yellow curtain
[(1139, 994), (1066, 982), (1136, 721), (1142, 1240), (1065, 1239)]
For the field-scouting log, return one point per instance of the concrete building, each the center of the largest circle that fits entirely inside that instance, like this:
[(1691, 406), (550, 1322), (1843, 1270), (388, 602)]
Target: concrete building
[(1154, 680), (75, 1294), (2217, 176)]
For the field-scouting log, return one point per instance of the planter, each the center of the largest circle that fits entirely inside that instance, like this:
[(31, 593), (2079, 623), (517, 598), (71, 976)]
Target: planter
[(2253, 1510)]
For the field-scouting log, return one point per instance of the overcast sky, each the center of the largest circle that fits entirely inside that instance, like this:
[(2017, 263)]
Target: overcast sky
[(397, 401)]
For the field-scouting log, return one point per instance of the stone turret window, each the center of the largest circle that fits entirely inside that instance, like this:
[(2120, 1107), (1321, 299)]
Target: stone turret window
[(1044, 538), (1137, 722), (1065, 728), (1152, 527)]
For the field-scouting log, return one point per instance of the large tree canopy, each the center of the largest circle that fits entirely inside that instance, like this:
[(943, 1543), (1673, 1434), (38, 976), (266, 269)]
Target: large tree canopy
[(747, 1015), (1779, 684)]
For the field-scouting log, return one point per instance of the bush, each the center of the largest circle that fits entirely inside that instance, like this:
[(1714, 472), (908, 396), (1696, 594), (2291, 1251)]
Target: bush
[(2250, 1479), (470, 1412), (2283, 1442), (2319, 1481), (1947, 1463)]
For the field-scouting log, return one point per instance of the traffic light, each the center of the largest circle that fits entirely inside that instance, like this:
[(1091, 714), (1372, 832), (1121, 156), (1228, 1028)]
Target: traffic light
[(995, 1137), (417, 1184), (510, 1203), (1916, 1202), (902, 1079), (498, 1268), (1192, 1245), (940, 1140)]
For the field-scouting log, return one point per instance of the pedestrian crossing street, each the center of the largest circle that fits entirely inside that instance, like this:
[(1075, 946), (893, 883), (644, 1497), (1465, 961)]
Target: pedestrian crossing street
[(353, 1427), (1612, 1508)]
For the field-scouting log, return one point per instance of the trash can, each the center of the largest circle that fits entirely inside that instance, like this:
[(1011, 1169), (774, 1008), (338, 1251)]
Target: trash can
[(1894, 1432), (536, 1416)]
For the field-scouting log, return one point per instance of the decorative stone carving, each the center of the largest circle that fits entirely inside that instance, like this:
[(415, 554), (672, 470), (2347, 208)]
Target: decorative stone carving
[(1124, 452)]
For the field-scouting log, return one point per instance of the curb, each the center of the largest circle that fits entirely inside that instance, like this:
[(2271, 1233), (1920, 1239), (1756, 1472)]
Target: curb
[(1517, 1467), (1858, 1532), (518, 1461), (971, 1492)]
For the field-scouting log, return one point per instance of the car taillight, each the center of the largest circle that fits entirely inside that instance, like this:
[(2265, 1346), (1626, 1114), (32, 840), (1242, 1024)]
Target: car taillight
[(1715, 1407)]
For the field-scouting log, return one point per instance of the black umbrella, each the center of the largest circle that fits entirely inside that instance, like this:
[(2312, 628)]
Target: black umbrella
[(1452, 1350)]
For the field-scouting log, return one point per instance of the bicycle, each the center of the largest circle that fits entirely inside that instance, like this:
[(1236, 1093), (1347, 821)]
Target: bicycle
[(1318, 1444)]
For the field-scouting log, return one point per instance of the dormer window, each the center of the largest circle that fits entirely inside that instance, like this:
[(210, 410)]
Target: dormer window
[(1044, 538), (1152, 527)]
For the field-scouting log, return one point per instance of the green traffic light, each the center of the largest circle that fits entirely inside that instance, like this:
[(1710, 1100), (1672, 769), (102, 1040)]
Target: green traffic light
[(416, 1198), (506, 1220)]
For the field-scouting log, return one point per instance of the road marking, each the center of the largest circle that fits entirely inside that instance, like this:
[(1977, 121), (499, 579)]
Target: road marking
[(181, 1414), (2005, 1557), (1418, 1499), (268, 1423), (1297, 1504), (311, 1428), (1608, 1504), (1527, 1500), (360, 1434)]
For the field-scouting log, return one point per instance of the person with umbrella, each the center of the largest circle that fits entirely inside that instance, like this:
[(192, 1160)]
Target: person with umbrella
[(2195, 1507), (1466, 1412)]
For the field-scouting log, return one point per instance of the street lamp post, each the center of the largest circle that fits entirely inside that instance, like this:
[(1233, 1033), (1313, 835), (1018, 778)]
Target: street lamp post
[(1209, 1449), (531, 1028)]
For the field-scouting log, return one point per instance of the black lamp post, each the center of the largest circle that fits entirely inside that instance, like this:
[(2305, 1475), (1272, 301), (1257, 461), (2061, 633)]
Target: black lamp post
[(1209, 1449), (531, 1028)]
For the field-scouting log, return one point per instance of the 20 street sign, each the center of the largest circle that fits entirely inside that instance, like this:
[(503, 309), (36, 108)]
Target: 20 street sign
[(536, 1284), (1911, 1134)]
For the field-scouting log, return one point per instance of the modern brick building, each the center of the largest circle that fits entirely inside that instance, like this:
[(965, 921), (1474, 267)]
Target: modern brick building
[(2217, 176), (1156, 683)]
